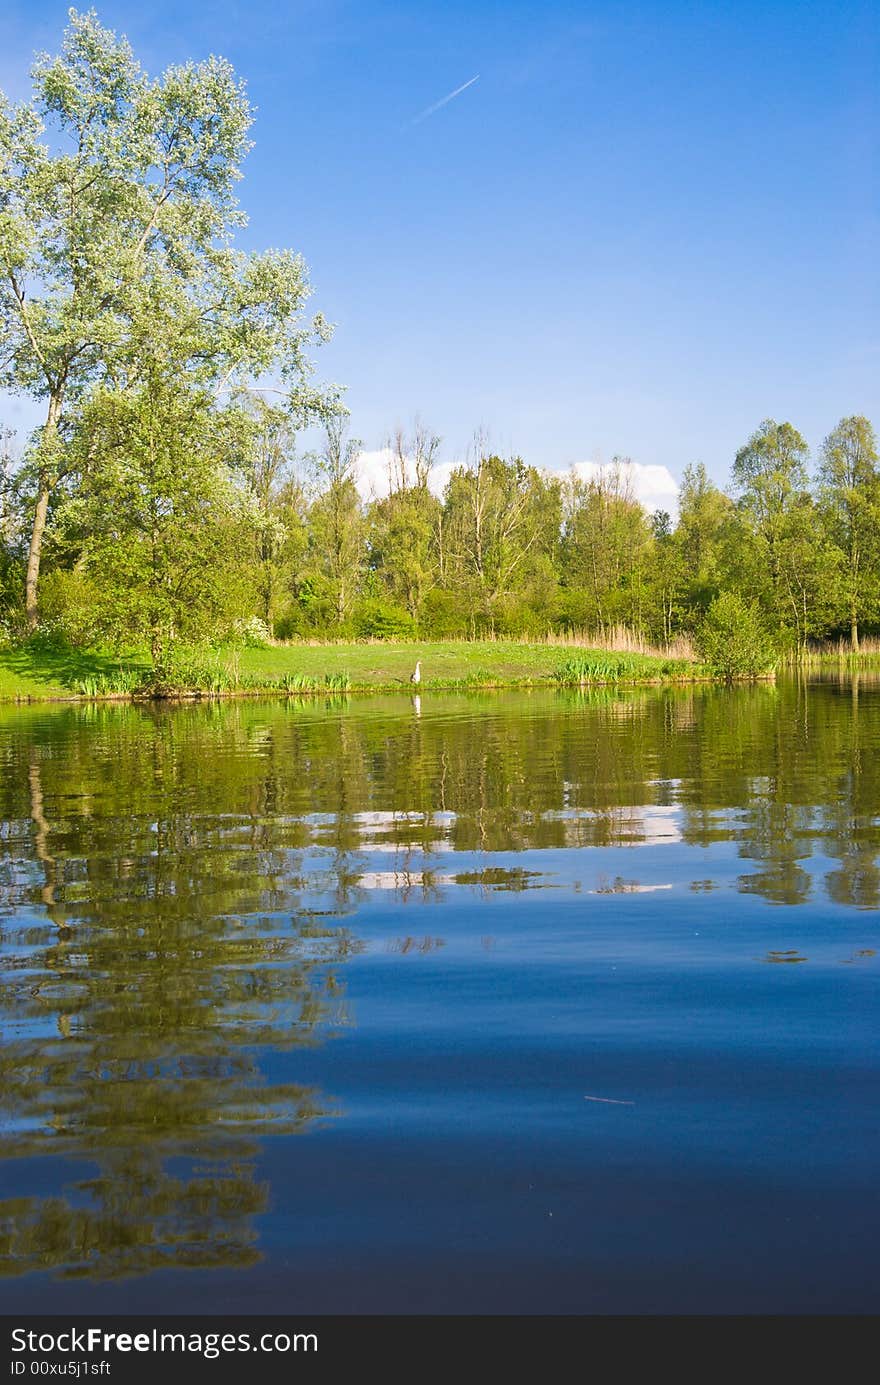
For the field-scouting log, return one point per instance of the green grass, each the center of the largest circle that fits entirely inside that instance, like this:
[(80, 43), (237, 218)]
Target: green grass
[(599, 666), (449, 664), (868, 659), (29, 674)]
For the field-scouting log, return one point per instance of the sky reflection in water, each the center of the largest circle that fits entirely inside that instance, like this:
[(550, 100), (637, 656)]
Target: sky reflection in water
[(572, 997)]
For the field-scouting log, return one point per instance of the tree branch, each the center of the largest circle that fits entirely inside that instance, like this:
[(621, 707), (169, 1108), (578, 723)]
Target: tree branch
[(19, 298)]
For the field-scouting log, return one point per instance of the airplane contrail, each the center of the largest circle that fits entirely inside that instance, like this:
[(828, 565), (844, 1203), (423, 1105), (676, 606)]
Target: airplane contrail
[(445, 100)]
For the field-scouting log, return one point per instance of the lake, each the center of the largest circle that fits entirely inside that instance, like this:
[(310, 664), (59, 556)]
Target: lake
[(513, 1002)]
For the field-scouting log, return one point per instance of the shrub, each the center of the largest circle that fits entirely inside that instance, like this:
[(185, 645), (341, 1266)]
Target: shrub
[(251, 633), (442, 616), (733, 640), (290, 625), (601, 666), (380, 620), (48, 638), (68, 607)]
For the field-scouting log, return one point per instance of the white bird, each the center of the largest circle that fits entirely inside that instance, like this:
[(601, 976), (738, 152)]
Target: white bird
[(416, 675)]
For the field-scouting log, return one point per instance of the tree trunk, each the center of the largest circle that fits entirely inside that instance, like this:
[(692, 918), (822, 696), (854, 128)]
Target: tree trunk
[(34, 552), (41, 509), (854, 633), (267, 601)]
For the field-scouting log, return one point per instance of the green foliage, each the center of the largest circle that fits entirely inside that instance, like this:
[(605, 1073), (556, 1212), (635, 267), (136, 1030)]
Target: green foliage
[(195, 668), (161, 502), (405, 527), (157, 518), (117, 217), (336, 523), (498, 528), (606, 542), (599, 667), (69, 607), (303, 683), (173, 529), (443, 615), (700, 546), (380, 620), (250, 633), (734, 641), (849, 498), (121, 682), (290, 625)]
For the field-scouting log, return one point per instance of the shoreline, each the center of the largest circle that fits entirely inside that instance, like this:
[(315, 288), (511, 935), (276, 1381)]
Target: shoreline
[(35, 675), (361, 690), (41, 673)]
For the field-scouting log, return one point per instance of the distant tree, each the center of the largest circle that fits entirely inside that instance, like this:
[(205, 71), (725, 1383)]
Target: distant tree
[(704, 522), (404, 524), (336, 520), (849, 494), (501, 525), (665, 576), (605, 544), (810, 573), (769, 474)]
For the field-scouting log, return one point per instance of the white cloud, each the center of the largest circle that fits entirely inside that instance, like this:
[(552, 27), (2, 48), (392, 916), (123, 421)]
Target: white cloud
[(655, 487), (373, 474)]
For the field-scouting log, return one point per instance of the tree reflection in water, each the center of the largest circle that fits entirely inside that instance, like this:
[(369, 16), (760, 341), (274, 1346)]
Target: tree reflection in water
[(147, 962), (178, 890)]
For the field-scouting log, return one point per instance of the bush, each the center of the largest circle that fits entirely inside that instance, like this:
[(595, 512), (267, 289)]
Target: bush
[(251, 633), (733, 640), (442, 616), (48, 638), (68, 607), (380, 620)]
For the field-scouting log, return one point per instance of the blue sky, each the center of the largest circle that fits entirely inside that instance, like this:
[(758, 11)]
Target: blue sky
[(645, 228)]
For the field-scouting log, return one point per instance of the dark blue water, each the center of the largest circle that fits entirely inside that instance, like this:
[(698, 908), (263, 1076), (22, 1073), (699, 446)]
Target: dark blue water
[(517, 1004)]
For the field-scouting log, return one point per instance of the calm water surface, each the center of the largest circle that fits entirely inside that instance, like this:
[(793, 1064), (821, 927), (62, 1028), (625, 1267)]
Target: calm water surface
[(508, 1003)]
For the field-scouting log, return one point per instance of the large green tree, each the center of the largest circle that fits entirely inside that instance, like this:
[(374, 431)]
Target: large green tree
[(110, 183), (160, 521)]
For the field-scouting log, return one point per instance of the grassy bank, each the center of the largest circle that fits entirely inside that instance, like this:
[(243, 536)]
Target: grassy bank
[(29, 674)]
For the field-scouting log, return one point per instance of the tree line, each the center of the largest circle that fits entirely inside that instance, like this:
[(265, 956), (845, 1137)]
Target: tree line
[(164, 496)]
